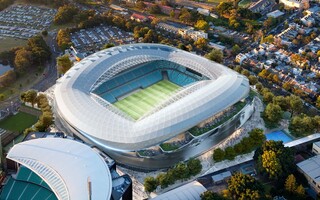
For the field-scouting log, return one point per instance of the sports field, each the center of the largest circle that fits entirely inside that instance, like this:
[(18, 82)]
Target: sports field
[(139, 103)]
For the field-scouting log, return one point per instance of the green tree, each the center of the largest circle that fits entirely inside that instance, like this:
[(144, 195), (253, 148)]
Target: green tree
[(64, 64), (273, 113), (230, 153), (107, 46), (295, 104), (65, 14), (209, 195), (215, 55), (235, 49), (259, 86), (253, 80), (150, 184), (164, 180), (318, 102), (201, 25), (218, 155), (194, 166), (267, 97), (281, 101), (242, 187), (29, 96)]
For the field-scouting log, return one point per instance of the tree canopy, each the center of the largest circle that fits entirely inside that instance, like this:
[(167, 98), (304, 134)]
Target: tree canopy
[(242, 187), (64, 64)]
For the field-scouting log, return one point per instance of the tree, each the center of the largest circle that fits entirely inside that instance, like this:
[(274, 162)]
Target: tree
[(218, 155), (164, 180), (259, 86), (273, 113), (172, 14), (201, 43), (287, 86), (274, 159), (271, 164), (295, 104), (267, 97), (44, 33), (150, 184), (63, 39), (281, 101), (290, 184), (107, 46), (64, 64), (65, 14), (302, 125), (209, 195), (318, 102), (22, 60), (215, 55), (242, 186), (185, 15), (230, 153), (194, 166), (201, 25), (300, 191), (235, 49), (29, 96)]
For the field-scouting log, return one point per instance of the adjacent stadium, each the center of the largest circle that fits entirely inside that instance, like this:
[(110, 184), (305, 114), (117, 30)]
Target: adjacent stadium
[(133, 97)]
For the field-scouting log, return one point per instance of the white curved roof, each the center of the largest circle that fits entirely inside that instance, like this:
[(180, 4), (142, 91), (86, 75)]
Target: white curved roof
[(190, 191), (66, 166), (104, 124)]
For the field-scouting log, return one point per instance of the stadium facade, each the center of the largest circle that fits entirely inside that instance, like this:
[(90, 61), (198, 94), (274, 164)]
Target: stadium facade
[(130, 99)]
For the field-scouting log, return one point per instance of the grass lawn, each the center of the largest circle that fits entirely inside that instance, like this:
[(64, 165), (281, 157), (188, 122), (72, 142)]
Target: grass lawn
[(139, 103), (8, 43), (18, 122)]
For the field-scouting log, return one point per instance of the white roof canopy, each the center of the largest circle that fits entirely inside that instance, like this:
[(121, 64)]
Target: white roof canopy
[(66, 166)]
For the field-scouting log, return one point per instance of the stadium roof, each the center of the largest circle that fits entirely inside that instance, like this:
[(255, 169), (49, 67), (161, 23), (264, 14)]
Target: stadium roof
[(104, 124), (190, 191), (66, 166)]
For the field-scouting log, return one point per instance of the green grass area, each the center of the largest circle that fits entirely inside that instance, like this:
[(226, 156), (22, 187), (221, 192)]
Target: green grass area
[(8, 43), (18, 122), (244, 3), (139, 103), (169, 146)]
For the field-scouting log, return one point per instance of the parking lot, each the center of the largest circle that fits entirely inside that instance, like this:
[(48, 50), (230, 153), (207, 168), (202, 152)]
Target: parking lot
[(25, 21), (92, 39)]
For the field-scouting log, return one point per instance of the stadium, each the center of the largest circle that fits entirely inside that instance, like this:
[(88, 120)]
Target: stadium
[(139, 98)]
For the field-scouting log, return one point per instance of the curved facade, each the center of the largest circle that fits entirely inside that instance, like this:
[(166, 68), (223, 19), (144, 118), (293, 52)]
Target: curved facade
[(99, 121), (67, 167)]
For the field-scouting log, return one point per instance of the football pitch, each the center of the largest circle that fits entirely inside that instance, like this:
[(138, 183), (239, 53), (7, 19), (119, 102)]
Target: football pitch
[(139, 103)]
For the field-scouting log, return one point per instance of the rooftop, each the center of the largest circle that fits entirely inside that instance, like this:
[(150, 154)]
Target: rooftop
[(311, 167), (67, 166)]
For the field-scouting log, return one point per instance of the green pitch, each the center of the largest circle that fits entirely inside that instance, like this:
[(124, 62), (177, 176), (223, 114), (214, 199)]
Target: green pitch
[(139, 103)]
